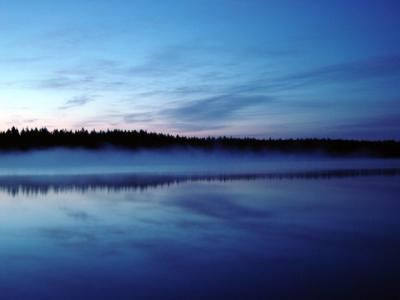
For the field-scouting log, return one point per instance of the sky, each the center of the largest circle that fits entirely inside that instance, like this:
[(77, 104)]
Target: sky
[(280, 69)]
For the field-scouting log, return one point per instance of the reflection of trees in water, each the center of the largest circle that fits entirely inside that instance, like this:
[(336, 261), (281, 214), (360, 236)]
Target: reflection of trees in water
[(43, 184)]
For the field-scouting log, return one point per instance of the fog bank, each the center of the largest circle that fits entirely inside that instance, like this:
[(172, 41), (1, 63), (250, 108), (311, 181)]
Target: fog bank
[(74, 161)]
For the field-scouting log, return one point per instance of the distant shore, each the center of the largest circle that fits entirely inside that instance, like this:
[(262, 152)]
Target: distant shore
[(32, 139)]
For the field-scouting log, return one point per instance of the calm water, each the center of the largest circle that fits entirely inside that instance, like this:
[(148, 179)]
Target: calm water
[(329, 235)]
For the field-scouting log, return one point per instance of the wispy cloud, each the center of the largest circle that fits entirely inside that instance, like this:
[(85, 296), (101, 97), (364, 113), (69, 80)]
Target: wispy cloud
[(208, 60), (79, 82), (178, 69), (76, 101), (164, 62), (64, 82), (218, 108), (138, 117), (24, 60), (373, 68), (343, 73)]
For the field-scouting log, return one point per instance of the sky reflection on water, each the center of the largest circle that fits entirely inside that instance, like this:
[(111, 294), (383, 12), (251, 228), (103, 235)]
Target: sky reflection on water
[(330, 237)]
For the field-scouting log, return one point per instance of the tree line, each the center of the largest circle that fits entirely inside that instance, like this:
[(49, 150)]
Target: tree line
[(28, 139)]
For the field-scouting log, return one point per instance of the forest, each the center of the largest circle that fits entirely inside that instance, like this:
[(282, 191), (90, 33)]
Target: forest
[(30, 139)]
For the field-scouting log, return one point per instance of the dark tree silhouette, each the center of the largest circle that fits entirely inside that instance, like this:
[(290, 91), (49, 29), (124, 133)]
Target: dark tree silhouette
[(42, 138)]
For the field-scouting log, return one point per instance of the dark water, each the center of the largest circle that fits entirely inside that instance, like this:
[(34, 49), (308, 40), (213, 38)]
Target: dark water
[(305, 235)]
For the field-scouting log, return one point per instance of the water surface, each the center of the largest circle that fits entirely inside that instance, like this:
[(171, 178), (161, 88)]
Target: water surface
[(304, 235)]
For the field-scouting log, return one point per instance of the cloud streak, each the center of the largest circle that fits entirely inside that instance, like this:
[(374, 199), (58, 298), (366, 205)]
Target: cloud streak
[(374, 68), (218, 108), (76, 102)]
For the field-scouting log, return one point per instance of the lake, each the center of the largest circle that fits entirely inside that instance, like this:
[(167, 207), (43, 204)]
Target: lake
[(301, 235)]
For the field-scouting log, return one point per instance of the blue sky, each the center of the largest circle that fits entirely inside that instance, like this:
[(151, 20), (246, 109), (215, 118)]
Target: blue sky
[(221, 67)]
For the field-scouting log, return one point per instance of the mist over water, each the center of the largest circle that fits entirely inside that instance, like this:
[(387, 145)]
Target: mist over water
[(173, 161)]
